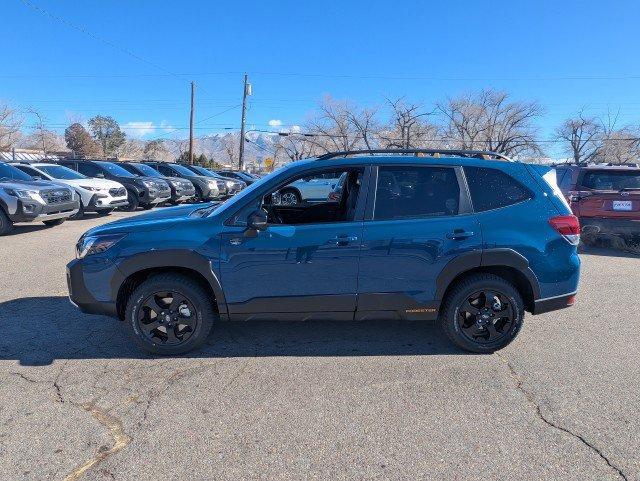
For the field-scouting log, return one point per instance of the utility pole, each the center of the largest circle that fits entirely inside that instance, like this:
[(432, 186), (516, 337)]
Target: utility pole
[(245, 92), (193, 92)]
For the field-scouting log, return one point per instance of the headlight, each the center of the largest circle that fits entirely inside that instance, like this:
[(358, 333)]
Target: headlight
[(89, 245), (24, 194), (230, 184), (91, 189), (213, 184), (149, 184)]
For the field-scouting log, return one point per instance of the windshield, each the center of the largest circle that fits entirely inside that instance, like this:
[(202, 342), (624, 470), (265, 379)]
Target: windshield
[(612, 180), (182, 170), (61, 172), (205, 172), (115, 169), (146, 170), (9, 172)]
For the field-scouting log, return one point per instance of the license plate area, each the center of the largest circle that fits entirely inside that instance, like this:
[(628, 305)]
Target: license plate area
[(622, 205)]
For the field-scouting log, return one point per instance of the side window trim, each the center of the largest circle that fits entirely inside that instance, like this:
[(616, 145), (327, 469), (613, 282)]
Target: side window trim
[(465, 207), (359, 215)]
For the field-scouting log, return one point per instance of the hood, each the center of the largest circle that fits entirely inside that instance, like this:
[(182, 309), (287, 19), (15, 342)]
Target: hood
[(28, 184), (93, 182), (150, 221)]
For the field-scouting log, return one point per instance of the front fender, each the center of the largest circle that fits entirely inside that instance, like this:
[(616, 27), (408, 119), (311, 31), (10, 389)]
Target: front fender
[(174, 258)]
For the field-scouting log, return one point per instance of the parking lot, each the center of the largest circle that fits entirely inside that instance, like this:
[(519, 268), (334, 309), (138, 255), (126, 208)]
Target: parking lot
[(314, 400)]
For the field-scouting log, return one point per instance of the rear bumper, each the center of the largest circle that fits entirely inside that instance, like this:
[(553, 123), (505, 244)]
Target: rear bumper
[(553, 303), (596, 225)]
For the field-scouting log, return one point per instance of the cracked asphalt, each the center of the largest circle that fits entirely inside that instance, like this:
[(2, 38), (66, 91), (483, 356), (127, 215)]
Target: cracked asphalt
[(361, 400)]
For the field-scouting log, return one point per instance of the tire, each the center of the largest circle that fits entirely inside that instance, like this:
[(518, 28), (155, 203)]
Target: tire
[(197, 301), (198, 197), (147, 206), (6, 226), (133, 200), (104, 212), (52, 223), (293, 197), (474, 332), (79, 214)]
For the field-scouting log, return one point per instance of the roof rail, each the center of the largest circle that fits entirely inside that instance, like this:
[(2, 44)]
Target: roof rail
[(481, 154)]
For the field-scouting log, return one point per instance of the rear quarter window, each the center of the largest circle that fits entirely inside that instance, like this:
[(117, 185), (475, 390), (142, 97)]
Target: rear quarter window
[(491, 189)]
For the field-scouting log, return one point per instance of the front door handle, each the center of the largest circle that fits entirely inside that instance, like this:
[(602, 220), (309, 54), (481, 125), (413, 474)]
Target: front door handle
[(459, 234), (343, 240)]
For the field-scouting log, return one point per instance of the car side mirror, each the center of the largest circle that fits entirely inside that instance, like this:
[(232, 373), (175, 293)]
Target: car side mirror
[(258, 220)]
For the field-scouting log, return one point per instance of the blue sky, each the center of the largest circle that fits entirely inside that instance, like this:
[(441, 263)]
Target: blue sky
[(564, 54)]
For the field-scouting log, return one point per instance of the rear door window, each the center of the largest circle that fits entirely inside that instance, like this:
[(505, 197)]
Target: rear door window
[(89, 170), (491, 189), (405, 192)]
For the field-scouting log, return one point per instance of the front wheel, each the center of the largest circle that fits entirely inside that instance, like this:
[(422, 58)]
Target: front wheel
[(6, 226), (51, 223), (169, 314), (133, 200), (483, 313)]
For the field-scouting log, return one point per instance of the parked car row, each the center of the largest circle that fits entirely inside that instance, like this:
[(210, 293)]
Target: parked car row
[(54, 191)]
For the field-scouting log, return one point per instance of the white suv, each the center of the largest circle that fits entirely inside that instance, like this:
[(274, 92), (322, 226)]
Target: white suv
[(96, 195)]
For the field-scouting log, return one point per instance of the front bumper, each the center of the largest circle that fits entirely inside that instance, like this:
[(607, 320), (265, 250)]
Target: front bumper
[(102, 202), (91, 284), (34, 211), (159, 197), (597, 225)]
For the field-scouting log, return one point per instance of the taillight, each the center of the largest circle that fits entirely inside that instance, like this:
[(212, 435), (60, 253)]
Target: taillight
[(568, 226)]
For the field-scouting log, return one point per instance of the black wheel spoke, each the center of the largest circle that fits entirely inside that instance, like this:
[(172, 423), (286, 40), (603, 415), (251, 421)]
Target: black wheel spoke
[(486, 316), (467, 307), (167, 317)]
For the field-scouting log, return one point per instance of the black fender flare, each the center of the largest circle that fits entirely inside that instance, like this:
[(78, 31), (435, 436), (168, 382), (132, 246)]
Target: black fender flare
[(498, 257), (173, 258)]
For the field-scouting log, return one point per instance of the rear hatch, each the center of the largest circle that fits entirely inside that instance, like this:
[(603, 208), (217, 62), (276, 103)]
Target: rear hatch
[(608, 193)]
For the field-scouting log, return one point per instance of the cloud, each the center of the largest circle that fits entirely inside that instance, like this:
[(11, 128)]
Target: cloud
[(166, 127), (275, 123), (139, 129)]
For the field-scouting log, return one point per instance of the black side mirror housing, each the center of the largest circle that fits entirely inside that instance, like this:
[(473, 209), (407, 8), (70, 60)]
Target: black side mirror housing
[(258, 220)]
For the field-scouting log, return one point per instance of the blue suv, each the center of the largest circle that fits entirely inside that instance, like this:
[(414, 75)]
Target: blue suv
[(468, 238)]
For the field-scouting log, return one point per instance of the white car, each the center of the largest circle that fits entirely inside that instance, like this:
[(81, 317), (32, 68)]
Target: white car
[(96, 195), (307, 189)]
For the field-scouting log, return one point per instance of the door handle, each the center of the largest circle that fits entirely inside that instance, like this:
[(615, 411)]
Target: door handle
[(343, 240), (459, 234)]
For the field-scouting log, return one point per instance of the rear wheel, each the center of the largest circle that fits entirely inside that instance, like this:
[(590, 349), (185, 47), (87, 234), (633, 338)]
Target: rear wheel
[(169, 314), (51, 223), (6, 226), (483, 313)]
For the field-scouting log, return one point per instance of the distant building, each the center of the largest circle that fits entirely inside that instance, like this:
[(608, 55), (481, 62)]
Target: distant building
[(30, 155)]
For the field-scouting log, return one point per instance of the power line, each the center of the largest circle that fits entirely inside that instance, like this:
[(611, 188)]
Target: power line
[(84, 31)]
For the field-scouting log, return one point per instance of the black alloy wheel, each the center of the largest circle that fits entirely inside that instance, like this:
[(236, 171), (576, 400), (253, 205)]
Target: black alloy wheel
[(167, 317), (486, 316), (170, 314), (482, 313)]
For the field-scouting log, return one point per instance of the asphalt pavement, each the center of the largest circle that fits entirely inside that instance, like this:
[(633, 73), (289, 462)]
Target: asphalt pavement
[(313, 400)]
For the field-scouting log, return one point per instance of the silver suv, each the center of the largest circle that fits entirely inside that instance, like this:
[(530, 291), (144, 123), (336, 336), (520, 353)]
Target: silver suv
[(23, 199)]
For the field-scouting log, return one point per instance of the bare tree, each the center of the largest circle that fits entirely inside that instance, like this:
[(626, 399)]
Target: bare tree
[(489, 121), (131, 149), (156, 150), (10, 124), (333, 128), (584, 137), (231, 147), (46, 140), (295, 146), (408, 128)]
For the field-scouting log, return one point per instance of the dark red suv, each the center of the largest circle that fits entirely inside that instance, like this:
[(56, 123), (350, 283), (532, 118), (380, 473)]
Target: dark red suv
[(605, 198)]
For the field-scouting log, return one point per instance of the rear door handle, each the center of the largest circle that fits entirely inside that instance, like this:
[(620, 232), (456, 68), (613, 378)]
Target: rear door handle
[(343, 240), (459, 234)]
